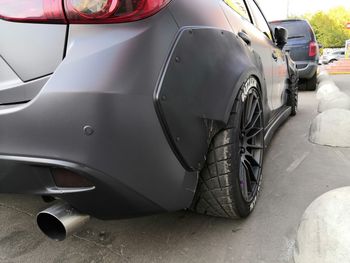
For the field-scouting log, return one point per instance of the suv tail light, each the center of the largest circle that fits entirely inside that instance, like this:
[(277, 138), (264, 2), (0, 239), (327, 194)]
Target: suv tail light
[(79, 11), (312, 49)]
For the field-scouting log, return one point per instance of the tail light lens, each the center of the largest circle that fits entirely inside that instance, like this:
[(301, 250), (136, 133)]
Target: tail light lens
[(79, 11), (312, 49), (32, 11)]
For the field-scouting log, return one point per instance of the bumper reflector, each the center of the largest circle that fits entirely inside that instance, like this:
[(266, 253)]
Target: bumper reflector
[(65, 178)]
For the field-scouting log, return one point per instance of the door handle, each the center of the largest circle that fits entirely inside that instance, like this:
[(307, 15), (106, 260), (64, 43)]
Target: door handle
[(274, 56), (245, 38)]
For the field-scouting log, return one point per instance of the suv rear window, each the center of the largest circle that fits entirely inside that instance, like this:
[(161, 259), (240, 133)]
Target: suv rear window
[(297, 30)]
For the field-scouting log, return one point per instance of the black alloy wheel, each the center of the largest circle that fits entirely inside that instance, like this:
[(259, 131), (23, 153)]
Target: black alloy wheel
[(230, 181), (252, 145)]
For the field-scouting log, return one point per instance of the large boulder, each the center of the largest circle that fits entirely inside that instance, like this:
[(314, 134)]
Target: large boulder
[(331, 128), (334, 100), (324, 232), (322, 76), (325, 89)]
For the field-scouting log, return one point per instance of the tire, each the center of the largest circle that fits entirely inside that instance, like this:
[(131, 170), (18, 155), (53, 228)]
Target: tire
[(311, 84), (231, 178), (292, 100)]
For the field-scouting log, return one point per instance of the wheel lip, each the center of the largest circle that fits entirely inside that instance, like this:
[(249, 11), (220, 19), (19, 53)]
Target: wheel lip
[(249, 89)]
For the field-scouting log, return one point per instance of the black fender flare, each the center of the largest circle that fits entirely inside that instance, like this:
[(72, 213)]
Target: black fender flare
[(197, 87)]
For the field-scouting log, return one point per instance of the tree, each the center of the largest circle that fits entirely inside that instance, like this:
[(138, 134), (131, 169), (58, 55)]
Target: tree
[(330, 27)]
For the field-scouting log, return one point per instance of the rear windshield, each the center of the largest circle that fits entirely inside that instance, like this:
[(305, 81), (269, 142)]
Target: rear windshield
[(297, 30)]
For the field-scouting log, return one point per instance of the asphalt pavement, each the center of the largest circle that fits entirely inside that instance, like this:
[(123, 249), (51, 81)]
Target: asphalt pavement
[(296, 172)]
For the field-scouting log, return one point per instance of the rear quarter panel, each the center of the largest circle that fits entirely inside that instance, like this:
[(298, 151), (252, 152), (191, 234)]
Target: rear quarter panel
[(32, 50), (206, 67)]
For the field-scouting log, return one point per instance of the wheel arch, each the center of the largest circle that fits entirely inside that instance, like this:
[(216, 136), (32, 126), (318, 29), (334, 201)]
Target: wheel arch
[(199, 83)]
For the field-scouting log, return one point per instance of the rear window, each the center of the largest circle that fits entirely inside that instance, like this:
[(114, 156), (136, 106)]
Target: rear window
[(297, 30), (340, 52)]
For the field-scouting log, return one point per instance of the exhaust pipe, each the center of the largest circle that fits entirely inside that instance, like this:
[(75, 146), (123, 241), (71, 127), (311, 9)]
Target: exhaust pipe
[(60, 220)]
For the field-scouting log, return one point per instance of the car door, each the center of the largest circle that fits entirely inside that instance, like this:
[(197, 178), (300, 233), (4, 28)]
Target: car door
[(280, 76), (279, 71), (241, 21)]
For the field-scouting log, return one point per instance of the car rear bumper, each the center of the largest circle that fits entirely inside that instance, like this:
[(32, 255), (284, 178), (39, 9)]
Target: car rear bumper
[(127, 158), (99, 121), (106, 199), (308, 71)]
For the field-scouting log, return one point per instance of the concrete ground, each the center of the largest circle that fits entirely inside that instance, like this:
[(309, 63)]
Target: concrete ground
[(295, 173)]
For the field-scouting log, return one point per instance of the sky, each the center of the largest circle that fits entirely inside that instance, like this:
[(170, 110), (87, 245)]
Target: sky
[(274, 10)]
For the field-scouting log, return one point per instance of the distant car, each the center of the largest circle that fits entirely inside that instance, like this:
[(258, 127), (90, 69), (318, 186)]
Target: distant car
[(125, 108), (332, 57), (303, 48)]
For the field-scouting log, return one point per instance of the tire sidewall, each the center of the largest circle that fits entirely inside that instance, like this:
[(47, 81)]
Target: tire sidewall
[(243, 207)]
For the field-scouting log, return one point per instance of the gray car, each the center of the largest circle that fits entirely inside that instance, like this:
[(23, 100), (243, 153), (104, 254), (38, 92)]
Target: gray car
[(119, 108), (332, 57)]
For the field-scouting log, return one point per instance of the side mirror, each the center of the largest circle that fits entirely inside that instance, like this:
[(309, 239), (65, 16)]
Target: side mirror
[(320, 46), (281, 36)]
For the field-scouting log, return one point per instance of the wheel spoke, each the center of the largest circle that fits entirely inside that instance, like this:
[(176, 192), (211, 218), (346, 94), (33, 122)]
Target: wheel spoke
[(248, 177), (251, 173), (243, 125), (247, 107), (256, 133), (243, 181), (255, 147), (251, 125), (251, 159), (252, 111)]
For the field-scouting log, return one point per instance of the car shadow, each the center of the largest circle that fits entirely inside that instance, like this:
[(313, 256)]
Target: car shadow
[(166, 235)]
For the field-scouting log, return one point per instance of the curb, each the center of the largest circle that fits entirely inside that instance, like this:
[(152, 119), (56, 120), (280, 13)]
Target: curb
[(339, 73)]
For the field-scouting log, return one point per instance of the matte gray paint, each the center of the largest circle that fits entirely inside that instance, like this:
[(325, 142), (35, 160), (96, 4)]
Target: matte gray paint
[(128, 144), (7, 76), (107, 81), (275, 123), (263, 48), (107, 199), (198, 13), (22, 91), (32, 50), (201, 79)]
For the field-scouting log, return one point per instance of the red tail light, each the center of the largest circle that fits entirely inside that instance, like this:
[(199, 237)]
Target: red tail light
[(312, 49), (32, 11), (79, 11)]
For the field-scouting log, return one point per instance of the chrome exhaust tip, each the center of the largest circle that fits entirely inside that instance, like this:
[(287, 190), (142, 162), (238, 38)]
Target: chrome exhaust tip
[(60, 220)]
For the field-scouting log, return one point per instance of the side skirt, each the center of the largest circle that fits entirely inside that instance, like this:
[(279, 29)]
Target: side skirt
[(275, 123)]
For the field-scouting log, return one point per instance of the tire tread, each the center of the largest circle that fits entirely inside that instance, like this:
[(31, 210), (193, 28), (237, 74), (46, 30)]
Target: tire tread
[(214, 193)]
